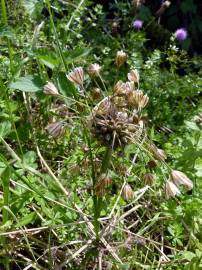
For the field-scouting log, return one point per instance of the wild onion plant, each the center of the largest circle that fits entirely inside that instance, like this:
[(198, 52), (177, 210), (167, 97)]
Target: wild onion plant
[(116, 121)]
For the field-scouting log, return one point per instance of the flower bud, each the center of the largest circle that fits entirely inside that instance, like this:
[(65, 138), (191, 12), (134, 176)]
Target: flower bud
[(96, 93), (129, 87), (121, 57), (76, 76), (119, 88), (94, 70), (56, 129), (138, 99), (158, 153), (179, 178), (171, 189), (127, 192), (151, 164), (122, 116), (50, 89), (148, 179), (103, 182), (133, 76)]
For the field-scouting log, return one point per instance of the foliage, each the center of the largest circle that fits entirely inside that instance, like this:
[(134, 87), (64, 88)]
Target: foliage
[(51, 163)]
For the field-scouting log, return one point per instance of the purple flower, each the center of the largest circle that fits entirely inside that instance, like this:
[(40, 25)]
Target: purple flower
[(137, 24), (181, 34)]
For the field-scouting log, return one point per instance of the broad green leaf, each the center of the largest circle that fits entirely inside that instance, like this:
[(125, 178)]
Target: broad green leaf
[(49, 60), (28, 83), (76, 55), (65, 86), (5, 128)]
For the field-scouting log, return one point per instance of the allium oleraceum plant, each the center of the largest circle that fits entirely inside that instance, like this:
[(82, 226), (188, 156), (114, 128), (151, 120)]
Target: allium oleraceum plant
[(115, 122)]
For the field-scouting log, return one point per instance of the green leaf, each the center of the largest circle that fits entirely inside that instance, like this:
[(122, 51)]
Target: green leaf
[(7, 32), (65, 86), (76, 55), (27, 219), (5, 128), (30, 6), (28, 83), (49, 60), (188, 255)]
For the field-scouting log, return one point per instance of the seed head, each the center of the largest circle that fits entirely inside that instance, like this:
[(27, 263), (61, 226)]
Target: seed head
[(76, 76), (133, 76), (50, 89), (171, 189), (121, 57), (94, 70), (127, 192), (179, 178)]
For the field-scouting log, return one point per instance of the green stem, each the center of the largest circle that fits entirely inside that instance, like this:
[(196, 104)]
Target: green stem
[(5, 177), (99, 201), (56, 36), (5, 22)]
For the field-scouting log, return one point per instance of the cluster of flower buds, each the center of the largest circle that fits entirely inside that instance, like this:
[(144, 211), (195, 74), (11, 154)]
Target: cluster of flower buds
[(127, 95), (116, 120), (177, 178)]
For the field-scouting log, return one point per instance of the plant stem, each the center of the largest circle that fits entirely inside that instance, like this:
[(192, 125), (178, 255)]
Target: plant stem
[(5, 177), (56, 36), (105, 165), (5, 22)]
